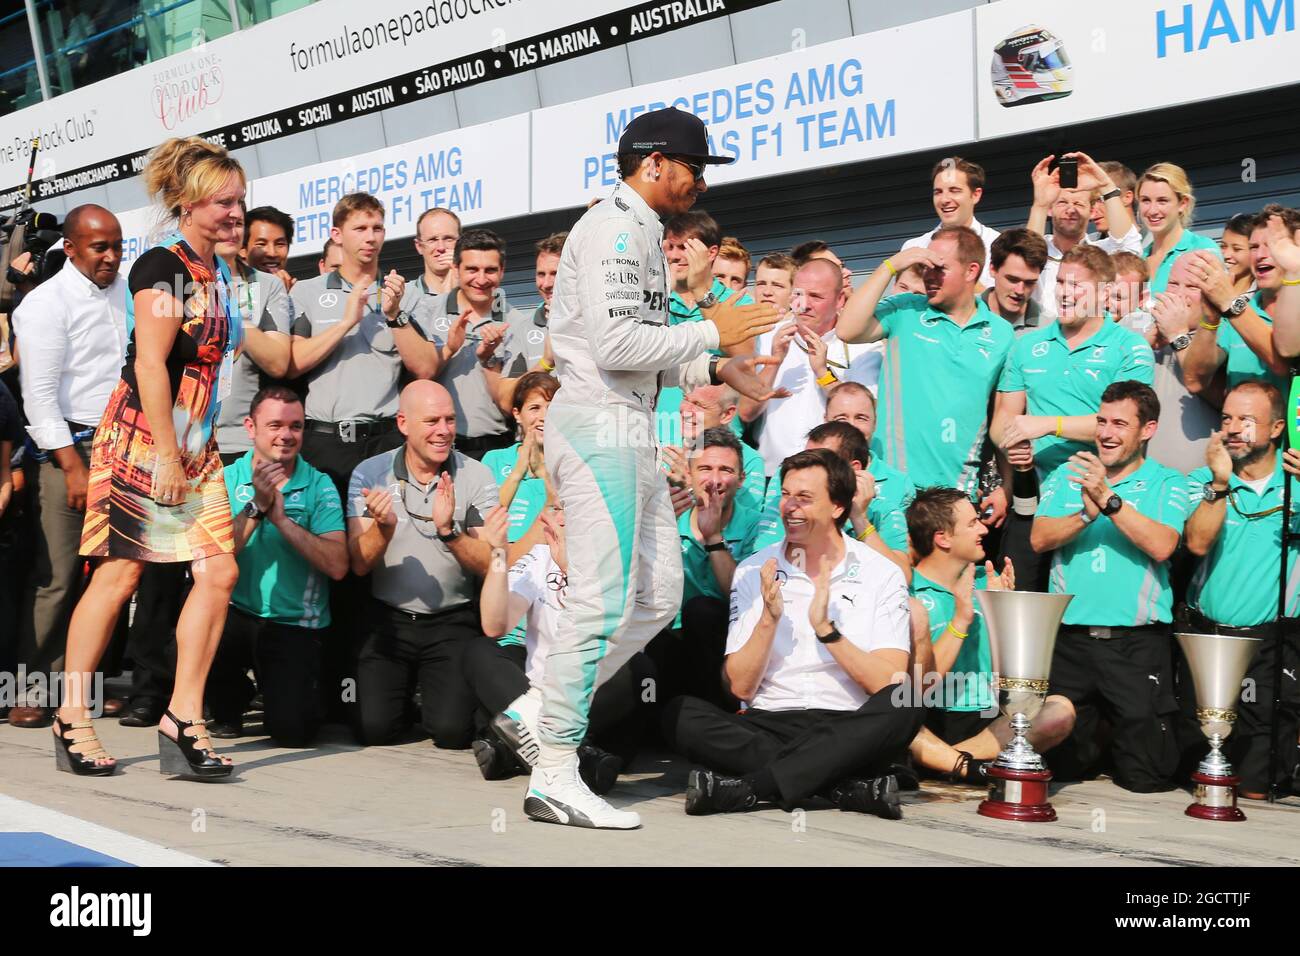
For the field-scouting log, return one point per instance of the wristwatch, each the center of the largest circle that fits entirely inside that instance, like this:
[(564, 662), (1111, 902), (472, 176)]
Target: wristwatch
[(1237, 306), (252, 512), (1112, 505), (713, 371), (1210, 493), (709, 301), (1111, 194), (450, 536), (833, 636), (1086, 518), (1180, 341), (492, 361), (720, 546), (400, 321)]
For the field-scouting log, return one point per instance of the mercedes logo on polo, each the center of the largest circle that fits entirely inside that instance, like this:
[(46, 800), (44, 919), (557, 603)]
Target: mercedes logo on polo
[(930, 321), (244, 494), (926, 601), (442, 323), (987, 332), (1099, 351), (536, 336), (1039, 350), (295, 498), (556, 581), (328, 300), (781, 577)]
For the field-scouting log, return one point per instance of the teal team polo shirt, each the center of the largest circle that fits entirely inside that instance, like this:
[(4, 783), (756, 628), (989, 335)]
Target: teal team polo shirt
[(275, 581), (1187, 242), (968, 686), (1113, 582), (1242, 362), (530, 495), (1236, 583), (887, 511), (697, 572), (1059, 380), (935, 382), (668, 422)]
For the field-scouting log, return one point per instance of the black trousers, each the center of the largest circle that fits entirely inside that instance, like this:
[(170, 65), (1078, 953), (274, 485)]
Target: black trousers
[(1031, 567), (1247, 748), (689, 659), (1126, 680), (807, 751), (401, 649), (152, 641), (350, 597), (619, 709), (286, 660)]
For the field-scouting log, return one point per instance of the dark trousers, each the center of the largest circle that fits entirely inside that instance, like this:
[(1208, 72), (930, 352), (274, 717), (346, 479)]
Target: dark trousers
[(480, 445), (401, 649), (330, 453), (152, 641), (807, 751), (1031, 567), (689, 659), (1126, 680), (619, 709), (1248, 746), (286, 660)]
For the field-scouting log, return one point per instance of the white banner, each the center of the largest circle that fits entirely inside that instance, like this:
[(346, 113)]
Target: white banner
[(839, 102), (479, 173), (278, 65), (1042, 65)]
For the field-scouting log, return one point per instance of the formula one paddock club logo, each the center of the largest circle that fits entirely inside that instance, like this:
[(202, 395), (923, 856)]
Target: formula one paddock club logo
[(1031, 66), (181, 92)]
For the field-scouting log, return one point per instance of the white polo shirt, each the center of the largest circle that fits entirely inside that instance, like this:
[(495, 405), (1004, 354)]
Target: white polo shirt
[(868, 604), (1045, 292), (987, 233), (785, 422), (537, 589)]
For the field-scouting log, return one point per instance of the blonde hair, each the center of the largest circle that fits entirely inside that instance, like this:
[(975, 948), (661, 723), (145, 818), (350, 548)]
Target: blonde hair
[(731, 248), (186, 170), (1175, 177)]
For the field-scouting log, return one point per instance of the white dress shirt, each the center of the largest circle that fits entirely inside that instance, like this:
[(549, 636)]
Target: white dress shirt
[(868, 604), (1045, 292), (785, 422), (72, 342), (987, 233)]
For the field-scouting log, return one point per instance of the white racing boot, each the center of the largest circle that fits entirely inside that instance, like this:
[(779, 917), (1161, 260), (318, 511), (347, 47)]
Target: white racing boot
[(557, 794), (516, 727)]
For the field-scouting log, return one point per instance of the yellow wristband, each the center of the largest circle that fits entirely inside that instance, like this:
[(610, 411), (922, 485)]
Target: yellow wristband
[(956, 633), (1291, 281), (890, 266), (827, 379), (545, 366), (867, 532), (1211, 328), (1060, 425)]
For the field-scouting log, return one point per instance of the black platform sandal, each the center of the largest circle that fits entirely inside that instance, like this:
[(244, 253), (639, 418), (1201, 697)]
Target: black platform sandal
[(184, 757), (82, 764)]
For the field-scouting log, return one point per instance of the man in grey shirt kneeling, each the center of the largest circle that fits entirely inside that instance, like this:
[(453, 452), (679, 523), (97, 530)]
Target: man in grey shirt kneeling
[(414, 516)]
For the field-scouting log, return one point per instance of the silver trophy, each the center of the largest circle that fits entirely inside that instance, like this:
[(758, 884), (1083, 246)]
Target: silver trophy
[(1022, 628), (1218, 663)]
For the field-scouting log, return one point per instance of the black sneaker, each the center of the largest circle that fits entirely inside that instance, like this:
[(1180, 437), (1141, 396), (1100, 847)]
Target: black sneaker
[(495, 761), (708, 792), (599, 768), (878, 795)]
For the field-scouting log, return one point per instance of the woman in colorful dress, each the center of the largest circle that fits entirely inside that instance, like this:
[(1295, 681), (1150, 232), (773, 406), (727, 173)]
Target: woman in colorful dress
[(156, 492)]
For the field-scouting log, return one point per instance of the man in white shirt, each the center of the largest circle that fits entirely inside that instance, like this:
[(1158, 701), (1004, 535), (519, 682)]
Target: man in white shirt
[(818, 645), (71, 334), (813, 360), (1070, 211), (958, 186)]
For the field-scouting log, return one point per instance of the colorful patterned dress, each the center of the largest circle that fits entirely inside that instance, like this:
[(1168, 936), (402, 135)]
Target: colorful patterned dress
[(122, 518)]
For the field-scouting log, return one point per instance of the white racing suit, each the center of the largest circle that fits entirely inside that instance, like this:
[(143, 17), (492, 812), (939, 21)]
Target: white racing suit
[(613, 351)]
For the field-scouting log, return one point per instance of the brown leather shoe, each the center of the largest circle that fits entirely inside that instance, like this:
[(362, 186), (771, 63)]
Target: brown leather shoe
[(29, 717), (114, 706)]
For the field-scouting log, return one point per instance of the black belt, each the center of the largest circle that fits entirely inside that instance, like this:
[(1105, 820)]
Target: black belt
[(484, 442), (1108, 633), (352, 430), (1198, 622), (415, 617), (80, 426)]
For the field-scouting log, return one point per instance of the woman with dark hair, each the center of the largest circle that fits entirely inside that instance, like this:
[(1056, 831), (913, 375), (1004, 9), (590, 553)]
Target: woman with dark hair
[(156, 492)]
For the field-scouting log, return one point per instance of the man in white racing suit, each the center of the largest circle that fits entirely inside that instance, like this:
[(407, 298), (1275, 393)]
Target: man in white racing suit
[(614, 350)]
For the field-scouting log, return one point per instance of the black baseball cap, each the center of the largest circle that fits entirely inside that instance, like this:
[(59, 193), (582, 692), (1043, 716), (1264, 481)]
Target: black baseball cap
[(671, 131)]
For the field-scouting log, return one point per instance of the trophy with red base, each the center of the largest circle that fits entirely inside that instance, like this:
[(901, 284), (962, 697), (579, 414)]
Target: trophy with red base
[(1022, 628), (1218, 663)]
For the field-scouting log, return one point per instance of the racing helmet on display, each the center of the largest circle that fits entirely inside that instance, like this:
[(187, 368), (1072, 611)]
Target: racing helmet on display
[(1031, 66)]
